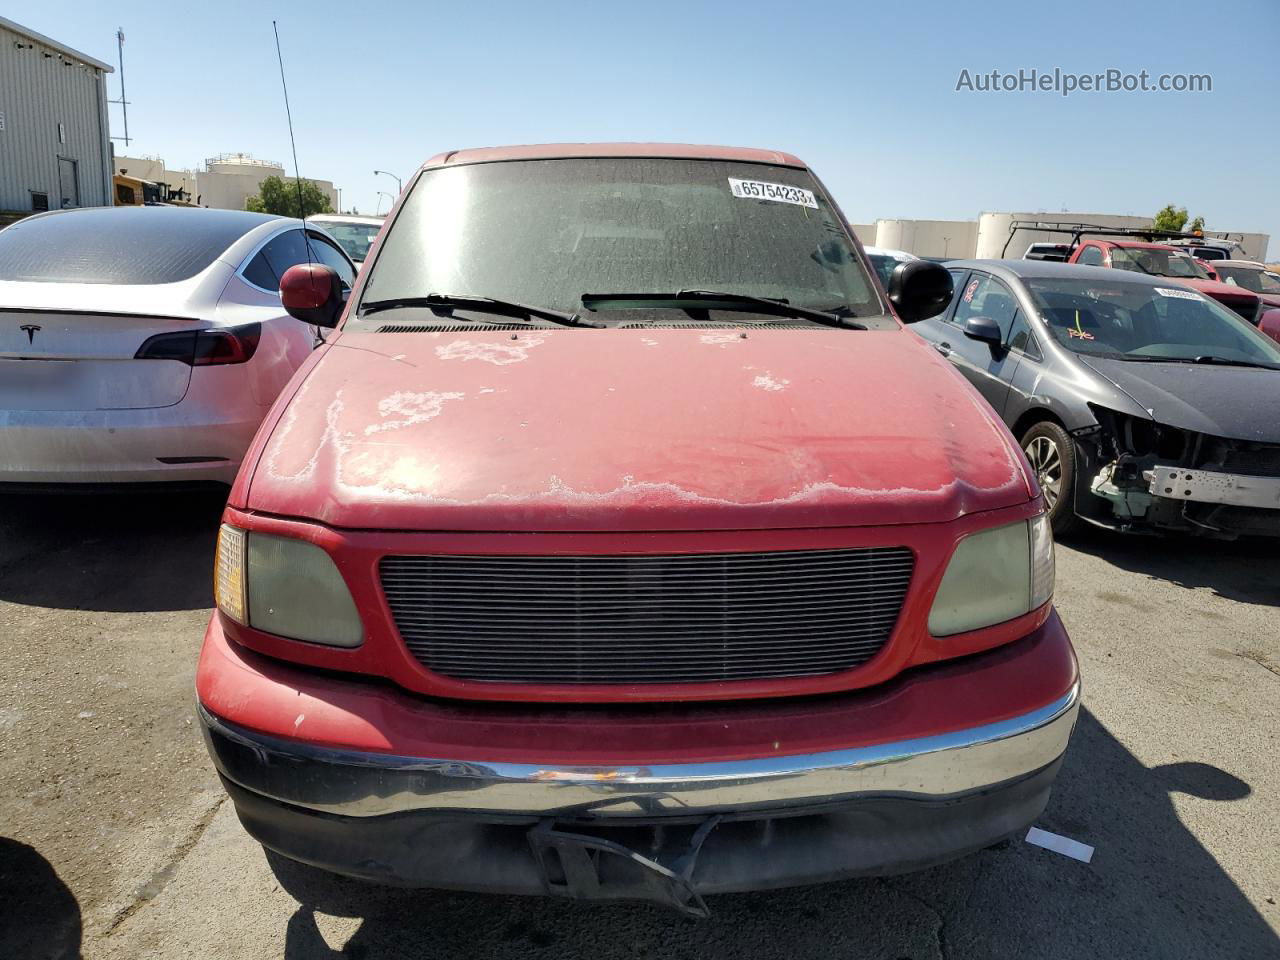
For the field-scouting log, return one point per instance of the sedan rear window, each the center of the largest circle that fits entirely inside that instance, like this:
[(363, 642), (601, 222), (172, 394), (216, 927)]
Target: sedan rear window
[(140, 245)]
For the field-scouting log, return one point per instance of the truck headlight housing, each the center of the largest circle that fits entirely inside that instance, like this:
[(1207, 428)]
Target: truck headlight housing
[(284, 586), (994, 576)]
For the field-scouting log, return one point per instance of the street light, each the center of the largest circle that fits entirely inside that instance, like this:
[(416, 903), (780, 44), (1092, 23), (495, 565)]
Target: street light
[(381, 194), (399, 182)]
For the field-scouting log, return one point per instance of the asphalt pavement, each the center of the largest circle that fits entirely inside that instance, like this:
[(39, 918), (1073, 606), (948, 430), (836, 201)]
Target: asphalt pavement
[(116, 842)]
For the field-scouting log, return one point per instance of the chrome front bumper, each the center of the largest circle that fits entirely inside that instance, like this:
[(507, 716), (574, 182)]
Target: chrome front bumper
[(370, 785)]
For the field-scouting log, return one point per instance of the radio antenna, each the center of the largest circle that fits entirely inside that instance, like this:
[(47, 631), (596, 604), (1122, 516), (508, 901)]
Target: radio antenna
[(124, 103), (293, 144)]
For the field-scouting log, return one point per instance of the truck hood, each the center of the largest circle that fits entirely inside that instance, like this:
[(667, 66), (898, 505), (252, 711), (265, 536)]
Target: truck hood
[(1240, 403), (1220, 291), (637, 429)]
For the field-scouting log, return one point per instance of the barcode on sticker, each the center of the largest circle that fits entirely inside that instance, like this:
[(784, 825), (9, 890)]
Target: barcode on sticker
[(1180, 294), (777, 192)]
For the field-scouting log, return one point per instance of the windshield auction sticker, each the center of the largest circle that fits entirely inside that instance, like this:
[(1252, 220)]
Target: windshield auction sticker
[(1180, 294), (777, 192)]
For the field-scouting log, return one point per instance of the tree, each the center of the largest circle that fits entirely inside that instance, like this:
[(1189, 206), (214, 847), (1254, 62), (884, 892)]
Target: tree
[(1170, 218), (1175, 218), (281, 198)]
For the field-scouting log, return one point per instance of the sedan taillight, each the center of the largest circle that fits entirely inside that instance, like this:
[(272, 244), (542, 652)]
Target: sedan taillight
[(203, 348)]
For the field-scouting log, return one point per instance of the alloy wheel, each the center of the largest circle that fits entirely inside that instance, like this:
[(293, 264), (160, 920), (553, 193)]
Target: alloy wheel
[(1046, 460)]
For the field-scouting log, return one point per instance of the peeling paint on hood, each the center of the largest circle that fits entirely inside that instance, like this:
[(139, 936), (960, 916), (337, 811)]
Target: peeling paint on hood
[(595, 431)]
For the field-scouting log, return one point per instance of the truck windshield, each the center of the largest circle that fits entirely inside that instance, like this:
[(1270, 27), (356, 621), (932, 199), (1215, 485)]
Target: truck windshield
[(1137, 321), (1157, 263), (545, 232), (1251, 278)]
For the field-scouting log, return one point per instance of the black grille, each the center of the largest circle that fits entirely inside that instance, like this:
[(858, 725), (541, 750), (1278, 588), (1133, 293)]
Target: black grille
[(680, 618)]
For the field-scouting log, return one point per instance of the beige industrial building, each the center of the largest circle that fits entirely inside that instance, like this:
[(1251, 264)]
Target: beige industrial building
[(225, 181), (55, 148), (987, 236)]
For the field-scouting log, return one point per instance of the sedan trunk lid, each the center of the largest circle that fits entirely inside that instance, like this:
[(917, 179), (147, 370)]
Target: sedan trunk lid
[(71, 346)]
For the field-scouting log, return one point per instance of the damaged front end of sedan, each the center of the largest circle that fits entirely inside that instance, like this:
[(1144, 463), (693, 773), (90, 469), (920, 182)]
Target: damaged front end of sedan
[(1135, 474)]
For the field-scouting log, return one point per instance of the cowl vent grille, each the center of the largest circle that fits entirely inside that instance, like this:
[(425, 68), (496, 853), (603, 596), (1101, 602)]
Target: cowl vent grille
[(717, 325), (452, 328)]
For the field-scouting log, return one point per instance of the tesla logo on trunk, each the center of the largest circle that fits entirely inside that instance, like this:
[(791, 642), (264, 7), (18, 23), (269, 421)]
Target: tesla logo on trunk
[(30, 329)]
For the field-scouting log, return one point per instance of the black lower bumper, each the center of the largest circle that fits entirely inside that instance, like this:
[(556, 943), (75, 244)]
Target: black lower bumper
[(660, 860)]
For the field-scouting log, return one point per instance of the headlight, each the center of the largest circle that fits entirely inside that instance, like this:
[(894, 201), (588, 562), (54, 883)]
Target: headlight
[(994, 576), (284, 586)]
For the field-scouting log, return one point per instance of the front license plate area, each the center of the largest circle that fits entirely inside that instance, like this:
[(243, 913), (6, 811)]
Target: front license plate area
[(583, 867)]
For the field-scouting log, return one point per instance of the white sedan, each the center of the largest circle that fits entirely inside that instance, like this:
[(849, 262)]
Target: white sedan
[(885, 261), (142, 344), (355, 234)]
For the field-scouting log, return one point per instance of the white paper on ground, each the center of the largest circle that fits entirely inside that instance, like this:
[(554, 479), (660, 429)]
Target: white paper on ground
[(1063, 845)]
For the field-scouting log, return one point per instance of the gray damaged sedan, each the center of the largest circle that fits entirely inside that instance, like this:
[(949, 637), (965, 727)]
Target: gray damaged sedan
[(1140, 403)]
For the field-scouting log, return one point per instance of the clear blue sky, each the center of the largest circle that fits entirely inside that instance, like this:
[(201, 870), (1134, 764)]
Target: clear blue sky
[(863, 92)]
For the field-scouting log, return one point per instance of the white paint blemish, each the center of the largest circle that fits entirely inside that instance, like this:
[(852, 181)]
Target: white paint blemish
[(297, 723), (719, 339), (766, 382), (331, 435), (412, 407), (500, 353)]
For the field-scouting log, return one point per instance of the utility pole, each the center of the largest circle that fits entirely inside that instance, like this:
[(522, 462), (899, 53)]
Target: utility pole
[(124, 104)]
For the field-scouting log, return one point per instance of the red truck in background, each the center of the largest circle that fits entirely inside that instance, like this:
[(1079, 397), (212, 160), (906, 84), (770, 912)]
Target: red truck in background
[(1162, 260), (1255, 277), (1140, 252)]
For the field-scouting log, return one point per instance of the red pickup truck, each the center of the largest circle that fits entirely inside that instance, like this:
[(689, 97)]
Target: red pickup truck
[(1163, 260), (622, 543)]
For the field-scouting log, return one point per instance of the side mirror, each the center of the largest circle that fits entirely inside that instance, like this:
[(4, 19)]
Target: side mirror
[(312, 293), (984, 329), (919, 289)]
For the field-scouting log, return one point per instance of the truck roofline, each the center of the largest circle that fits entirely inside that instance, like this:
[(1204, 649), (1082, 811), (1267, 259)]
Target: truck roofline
[(564, 151)]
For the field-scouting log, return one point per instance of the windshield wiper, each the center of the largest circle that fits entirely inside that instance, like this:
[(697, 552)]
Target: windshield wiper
[(444, 304), (1203, 359), (1230, 362), (717, 300)]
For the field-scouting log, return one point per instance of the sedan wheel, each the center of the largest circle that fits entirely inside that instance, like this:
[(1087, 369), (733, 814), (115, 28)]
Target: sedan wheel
[(1047, 463), (1052, 455)]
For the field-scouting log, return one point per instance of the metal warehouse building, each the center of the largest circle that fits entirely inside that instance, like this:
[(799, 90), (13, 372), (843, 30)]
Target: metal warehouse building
[(55, 146)]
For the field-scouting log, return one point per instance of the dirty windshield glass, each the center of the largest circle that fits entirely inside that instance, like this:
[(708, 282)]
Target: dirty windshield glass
[(545, 232), (1157, 263), (1134, 321), (1259, 281)]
